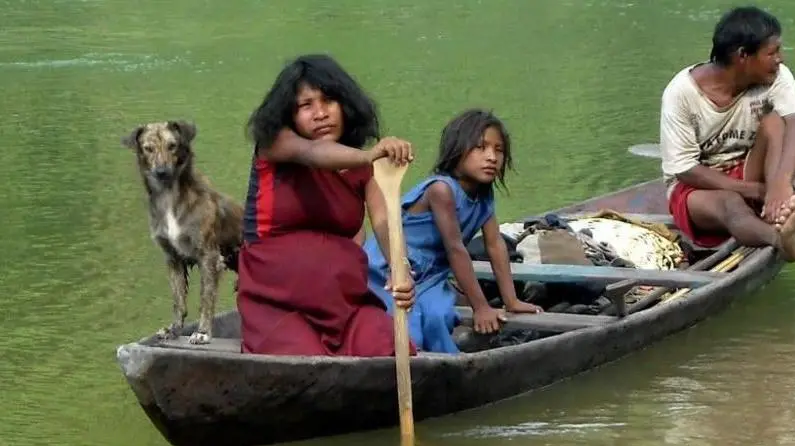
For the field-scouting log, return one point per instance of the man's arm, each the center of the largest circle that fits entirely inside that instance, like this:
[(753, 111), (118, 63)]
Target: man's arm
[(703, 177)]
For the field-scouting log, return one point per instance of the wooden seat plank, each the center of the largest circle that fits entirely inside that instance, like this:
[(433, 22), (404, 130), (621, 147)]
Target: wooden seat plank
[(665, 219), (600, 274), (722, 251), (555, 322)]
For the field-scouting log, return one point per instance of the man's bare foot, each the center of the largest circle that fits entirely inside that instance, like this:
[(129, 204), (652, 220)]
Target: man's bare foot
[(783, 214), (787, 232)]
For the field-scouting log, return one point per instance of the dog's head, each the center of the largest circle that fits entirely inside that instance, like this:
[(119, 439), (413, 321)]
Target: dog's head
[(163, 149)]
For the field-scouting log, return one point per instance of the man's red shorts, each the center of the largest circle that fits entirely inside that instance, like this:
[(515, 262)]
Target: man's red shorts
[(677, 206)]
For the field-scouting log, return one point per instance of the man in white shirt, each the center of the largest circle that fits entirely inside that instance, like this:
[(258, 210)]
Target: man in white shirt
[(727, 138)]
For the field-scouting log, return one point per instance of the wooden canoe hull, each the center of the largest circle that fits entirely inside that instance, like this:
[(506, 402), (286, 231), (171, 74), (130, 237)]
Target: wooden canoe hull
[(209, 397)]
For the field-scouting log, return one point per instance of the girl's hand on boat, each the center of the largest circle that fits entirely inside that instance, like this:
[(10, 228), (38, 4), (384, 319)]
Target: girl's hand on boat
[(523, 307), (403, 294), (487, 320), (397, 150)]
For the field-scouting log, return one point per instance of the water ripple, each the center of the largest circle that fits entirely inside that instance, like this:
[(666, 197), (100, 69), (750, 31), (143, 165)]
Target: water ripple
[(108, 61), (531, 429)]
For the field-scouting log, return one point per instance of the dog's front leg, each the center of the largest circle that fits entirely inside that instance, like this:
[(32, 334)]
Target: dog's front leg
[(210, 278), (178, 281)]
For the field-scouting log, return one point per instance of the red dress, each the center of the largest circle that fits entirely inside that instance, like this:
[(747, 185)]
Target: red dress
[(302, 280)]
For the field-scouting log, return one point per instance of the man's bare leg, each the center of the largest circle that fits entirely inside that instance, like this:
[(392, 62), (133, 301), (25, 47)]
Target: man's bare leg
[(771, 129), (728, 211), (722, 210), (759, 167)]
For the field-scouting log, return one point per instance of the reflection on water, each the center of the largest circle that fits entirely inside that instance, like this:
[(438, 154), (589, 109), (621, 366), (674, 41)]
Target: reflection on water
[(577, 83)]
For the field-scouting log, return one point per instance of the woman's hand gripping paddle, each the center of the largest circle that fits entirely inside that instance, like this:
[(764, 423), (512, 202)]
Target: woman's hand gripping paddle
[(389, 176)]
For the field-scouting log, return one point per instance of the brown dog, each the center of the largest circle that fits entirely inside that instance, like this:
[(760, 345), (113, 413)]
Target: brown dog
[(191, 222)]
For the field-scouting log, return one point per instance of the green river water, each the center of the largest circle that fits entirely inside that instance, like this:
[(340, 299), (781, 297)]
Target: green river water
[(577, 81)]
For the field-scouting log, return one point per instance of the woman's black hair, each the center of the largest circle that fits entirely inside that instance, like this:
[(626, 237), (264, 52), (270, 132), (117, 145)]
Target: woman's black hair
[(465, 132), (745, 27), (319, 71)]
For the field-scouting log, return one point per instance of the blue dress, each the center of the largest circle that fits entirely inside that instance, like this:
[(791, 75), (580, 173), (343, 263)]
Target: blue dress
[(433, 317)]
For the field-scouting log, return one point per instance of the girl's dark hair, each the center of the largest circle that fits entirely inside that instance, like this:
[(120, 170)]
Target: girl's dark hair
[(745, 27), (465, 132), (319, 71)]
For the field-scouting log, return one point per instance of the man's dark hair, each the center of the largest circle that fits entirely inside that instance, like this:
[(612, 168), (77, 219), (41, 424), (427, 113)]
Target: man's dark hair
[(746, 28)]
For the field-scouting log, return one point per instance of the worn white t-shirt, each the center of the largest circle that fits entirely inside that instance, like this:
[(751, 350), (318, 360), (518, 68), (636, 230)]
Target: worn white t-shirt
[(693, 130)]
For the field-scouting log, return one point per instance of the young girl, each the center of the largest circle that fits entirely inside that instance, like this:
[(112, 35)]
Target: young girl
[(302, 278), (440, 217)]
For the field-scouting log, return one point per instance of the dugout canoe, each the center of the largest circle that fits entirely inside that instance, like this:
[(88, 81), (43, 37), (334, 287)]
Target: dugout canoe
[(213, 395)]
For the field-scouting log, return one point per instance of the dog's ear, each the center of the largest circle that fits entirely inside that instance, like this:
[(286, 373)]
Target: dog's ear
[(131, 141), (186, 130)]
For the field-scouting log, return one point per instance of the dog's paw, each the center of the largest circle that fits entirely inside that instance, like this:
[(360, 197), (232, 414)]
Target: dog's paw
[(199, 338), (170, 332)]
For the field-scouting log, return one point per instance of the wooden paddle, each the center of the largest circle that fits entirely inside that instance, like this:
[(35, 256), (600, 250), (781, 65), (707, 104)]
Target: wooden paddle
[(388, 176)]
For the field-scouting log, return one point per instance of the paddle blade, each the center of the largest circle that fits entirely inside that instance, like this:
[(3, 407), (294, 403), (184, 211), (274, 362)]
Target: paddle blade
[(646, 150), (389, 177)]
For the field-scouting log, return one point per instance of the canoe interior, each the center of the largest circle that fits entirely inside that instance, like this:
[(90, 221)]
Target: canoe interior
[(645, 202)]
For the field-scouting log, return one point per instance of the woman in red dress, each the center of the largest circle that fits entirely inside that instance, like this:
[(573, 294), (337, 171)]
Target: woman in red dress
[(302, 280)]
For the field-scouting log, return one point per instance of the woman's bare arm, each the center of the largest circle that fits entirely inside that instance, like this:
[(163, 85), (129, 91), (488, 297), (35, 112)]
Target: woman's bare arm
[(292, 148)]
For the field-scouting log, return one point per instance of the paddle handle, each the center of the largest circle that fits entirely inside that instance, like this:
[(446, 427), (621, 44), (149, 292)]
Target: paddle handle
[(403, 378), (400, 275)]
